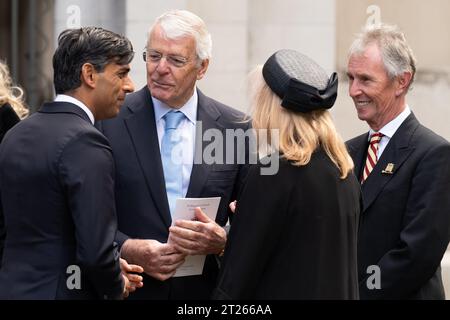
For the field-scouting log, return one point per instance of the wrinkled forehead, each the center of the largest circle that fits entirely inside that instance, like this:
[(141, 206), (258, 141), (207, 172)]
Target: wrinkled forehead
[(172, 35), (369, 57), (184, 45)]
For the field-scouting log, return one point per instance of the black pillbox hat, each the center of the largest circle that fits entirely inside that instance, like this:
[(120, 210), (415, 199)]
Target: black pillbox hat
[(301, 83)]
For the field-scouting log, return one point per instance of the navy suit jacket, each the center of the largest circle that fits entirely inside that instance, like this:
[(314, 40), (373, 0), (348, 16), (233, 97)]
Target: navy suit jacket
[(405, 222), (142, 206), (57, 203)]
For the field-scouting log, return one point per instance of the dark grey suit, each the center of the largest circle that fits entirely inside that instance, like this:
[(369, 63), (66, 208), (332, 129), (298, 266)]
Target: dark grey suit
[(142, 206), (57, 197), (405, 222)]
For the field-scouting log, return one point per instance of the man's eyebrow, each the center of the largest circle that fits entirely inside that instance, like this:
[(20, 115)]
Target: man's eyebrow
[(124, 69), (359, 75)]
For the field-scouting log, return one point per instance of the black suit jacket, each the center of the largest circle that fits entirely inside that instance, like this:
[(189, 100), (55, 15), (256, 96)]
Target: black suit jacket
[(8, 118), (142, 206), (405, 221), (57, 200), (294, 235)]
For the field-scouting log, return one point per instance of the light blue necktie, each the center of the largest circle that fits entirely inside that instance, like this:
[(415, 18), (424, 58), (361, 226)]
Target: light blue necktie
[(172, 166)]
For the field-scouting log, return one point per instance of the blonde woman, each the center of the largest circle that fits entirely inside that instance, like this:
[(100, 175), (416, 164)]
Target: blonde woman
[(294, 233), (11, 105)]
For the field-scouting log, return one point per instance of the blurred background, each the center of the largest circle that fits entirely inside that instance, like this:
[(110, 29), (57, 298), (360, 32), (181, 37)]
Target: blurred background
[(245, 33)]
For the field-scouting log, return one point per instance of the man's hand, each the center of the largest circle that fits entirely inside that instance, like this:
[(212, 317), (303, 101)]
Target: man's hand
[(132, 281), (203, 236), (159, 260), (126, 287)]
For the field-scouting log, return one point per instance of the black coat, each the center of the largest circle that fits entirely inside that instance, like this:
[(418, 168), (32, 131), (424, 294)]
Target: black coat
[(405, 222), (293, 235), (142, 205), (8, 118), (57, 201)]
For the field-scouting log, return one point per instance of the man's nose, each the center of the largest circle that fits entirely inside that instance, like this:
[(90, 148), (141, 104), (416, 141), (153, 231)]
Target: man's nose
[(353, 88), (163, 65), (128, 85)]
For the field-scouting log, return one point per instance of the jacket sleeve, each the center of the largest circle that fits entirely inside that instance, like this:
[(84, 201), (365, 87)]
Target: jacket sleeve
[(8, 119), (243, 155), (425, 231), (253, 235), (2, 231), (86, 169), (120, 237)]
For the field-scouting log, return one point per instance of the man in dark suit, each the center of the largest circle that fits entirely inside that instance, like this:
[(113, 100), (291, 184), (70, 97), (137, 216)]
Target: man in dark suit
[(404, 169), (177, 55), (57, 179)]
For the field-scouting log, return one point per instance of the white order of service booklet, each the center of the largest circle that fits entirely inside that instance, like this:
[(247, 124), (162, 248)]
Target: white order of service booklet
[(185, 210)]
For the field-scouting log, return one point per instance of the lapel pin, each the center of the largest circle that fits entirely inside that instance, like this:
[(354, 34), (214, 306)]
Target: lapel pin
[(389, 169)]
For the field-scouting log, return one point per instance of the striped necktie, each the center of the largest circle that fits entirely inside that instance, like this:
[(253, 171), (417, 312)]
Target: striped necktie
[(372, 158)]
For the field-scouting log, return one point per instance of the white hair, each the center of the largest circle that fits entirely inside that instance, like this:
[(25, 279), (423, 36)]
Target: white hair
[(180, 23), (396, 54)]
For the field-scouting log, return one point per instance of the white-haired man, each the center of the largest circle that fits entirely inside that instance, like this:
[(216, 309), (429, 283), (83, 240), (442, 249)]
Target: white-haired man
[(148, 181), (404, 169)]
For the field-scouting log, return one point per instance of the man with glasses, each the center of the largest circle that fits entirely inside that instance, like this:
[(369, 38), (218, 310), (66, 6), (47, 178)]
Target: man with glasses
[(168, 113)]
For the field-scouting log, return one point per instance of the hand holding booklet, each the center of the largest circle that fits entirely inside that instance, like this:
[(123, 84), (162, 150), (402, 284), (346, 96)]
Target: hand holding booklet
[(185, 210)]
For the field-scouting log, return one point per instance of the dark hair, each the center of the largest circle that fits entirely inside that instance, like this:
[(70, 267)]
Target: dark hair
[(93, 45)]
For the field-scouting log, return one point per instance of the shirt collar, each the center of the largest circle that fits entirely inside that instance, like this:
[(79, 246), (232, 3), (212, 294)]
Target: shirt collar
[(391, 127), (189, 109), (66, 98)]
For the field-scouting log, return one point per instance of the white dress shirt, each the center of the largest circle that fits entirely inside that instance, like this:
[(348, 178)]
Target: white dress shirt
[(186, 130), (66, 98), (389, 129)]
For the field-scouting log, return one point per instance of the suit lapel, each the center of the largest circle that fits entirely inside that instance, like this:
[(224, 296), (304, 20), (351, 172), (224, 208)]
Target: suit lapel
[(396, 153), (358, 150), (141, 126), (207, 116)]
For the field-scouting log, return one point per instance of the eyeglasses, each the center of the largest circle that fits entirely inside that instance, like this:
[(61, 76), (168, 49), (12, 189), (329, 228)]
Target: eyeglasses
[(173, 60)]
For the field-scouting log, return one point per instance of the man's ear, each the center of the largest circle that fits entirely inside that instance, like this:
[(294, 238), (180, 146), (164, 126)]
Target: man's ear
[(404, 81), (202, 70), (88, 75)]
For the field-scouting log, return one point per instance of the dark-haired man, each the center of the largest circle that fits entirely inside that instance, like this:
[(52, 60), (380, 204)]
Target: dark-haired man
[(57, 179)]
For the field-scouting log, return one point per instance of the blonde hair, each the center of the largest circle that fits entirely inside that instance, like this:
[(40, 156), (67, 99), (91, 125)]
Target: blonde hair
[(300, 134), (10, 94)]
